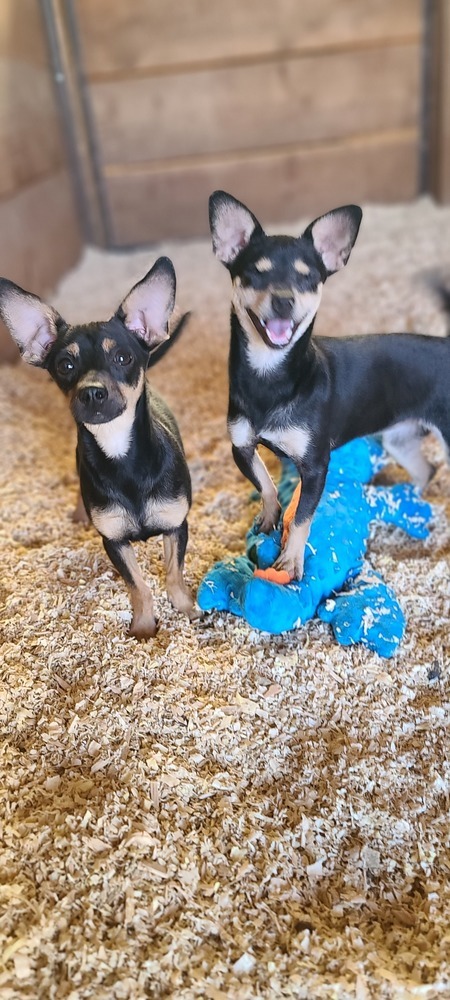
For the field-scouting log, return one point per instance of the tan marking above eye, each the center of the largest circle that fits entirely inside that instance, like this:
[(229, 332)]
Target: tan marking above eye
[(263, 264), (301, 267), (108, 344), (74, 350)]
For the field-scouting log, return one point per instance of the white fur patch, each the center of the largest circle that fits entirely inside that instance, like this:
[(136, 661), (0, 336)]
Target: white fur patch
[(262, 358), (241, 433), (114, 437)]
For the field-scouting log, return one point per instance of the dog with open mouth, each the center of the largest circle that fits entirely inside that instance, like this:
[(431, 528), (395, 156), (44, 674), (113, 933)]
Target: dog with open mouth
[(303, 397)]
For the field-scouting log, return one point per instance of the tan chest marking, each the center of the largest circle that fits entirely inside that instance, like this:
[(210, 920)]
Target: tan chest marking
[(117, 523), (166, 514), (114, 522), (293, 441)]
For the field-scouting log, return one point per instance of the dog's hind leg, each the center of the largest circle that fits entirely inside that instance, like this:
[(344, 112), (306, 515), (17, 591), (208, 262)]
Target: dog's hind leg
[(143, 625), (80, 514), (174, 550), (403, 443)]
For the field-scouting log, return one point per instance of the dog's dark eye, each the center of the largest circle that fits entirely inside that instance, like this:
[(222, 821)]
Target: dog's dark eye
[(65, 366), (122, 358)]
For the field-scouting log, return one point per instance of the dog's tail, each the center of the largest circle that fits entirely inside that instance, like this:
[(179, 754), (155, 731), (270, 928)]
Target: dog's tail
[(444, 295), (441, 290), (160, 351)]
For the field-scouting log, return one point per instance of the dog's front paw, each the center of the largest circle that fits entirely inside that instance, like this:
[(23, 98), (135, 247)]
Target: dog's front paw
[(195, 614), (143, 628), (181, 598), (293, 565)]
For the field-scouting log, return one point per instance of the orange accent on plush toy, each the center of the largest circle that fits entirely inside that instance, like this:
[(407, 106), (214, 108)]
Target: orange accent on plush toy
[(281, 575), (274, 575)]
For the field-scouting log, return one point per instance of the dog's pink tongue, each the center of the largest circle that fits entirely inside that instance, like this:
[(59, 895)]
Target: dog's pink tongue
[(279, 330)]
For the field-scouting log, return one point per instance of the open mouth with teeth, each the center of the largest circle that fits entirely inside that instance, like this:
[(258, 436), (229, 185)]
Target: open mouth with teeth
[(275, 332)]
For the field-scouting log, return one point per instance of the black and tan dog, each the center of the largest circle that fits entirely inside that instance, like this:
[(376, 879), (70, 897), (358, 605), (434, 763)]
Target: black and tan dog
[(303, 397), (134, 478)]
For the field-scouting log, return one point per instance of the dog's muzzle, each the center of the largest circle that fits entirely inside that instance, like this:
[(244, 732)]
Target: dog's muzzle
[(94, 404), (279, 326), (93, 395), (275, 330)]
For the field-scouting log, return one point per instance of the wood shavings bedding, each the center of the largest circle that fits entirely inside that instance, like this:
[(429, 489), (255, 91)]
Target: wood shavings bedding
[(218, 813)]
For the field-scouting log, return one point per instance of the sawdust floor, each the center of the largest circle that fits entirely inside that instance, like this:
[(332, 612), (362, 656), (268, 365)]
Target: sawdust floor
[(217, 813)]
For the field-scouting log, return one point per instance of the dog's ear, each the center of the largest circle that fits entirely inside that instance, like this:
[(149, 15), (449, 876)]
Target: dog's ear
[(232, 226), (32, 323), (146, 310), (334, 234)]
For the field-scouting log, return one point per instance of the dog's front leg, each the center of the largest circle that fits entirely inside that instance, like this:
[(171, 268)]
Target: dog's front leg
[(177, 591), (252, 466), (121, 554), (292, 555)]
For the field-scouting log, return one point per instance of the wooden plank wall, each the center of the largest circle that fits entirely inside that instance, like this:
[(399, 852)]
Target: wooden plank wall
[(40, 236), (292, 106)]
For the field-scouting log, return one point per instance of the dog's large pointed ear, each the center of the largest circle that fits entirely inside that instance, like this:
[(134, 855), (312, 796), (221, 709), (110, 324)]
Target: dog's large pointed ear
[(334, 235), (146, 310), (32, 323), (232, 226)]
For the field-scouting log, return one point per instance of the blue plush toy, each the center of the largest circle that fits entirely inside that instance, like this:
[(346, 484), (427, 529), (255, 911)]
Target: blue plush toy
[(337, 584)]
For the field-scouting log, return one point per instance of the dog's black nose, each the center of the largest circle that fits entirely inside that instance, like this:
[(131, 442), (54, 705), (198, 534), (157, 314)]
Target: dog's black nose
[(282, 305), (95, 394)]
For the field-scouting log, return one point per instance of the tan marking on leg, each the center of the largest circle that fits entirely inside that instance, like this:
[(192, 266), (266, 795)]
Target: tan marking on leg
[(292, 556), (143, 625), (271, 507), (177, 591)]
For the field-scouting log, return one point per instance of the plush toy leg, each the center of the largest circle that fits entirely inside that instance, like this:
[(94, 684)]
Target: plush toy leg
[(367, 613)]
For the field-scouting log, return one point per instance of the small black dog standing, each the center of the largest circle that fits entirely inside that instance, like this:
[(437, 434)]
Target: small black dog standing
[(303, 397), (134, 478)]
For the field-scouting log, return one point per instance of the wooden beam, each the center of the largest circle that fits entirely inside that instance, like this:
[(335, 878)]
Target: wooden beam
[(438, 101)]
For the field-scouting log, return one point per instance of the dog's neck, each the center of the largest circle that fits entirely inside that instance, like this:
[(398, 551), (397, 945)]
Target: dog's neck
[(115, 437)]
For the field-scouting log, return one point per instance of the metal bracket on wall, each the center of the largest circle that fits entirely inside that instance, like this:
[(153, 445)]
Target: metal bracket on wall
[(65, 56), (436, 104)]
